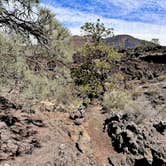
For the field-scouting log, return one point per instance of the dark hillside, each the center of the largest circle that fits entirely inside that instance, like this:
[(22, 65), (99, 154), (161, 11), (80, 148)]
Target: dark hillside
[(118, 42), (126, 41)]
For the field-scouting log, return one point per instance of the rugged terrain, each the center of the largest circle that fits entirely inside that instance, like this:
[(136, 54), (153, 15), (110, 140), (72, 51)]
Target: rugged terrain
[(148, 62), (93, 136)]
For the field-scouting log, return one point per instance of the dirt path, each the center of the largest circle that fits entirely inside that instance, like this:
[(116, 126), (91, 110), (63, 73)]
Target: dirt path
[(57, 134), (101, 143), (56, 145)]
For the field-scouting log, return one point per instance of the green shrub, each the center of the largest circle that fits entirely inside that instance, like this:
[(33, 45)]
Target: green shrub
[(116, 100), (115, 81), (18, 76), (96, 31), (91, 68)]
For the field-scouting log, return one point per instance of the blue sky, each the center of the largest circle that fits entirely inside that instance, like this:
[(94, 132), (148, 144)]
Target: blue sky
[(145, 19)]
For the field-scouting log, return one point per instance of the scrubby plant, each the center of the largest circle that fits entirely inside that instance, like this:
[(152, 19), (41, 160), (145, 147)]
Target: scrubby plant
[(17, 57), (92, 63), (116, 100), (91, 68), (27, 69), (96, 31), (115, 81), (59, 37), (123, 102)]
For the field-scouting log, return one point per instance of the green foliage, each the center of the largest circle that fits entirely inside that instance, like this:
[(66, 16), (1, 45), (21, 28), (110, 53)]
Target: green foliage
[(34, 86), (59, 37), (22, 17), (11, 44), (17, 58), (92, 64), (115, 81), (116, 100), (97, 31), (91, 68)]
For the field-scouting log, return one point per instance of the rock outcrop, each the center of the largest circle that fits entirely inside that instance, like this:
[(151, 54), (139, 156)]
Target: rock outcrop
[(142, 143), (143, 63), (78, 115), (17, 134)]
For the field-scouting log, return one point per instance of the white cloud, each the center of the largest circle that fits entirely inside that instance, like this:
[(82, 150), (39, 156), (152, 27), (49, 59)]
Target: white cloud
[(134, 4), (129, 4), (137, 29)]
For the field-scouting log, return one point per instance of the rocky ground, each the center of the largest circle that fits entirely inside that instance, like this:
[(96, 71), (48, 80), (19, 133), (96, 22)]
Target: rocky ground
[(54, 138), (142, 143), (143, 63), (17, 131), (89, 136)]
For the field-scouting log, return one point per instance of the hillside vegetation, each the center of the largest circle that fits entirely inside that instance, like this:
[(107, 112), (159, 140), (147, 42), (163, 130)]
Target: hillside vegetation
[(95, 100)]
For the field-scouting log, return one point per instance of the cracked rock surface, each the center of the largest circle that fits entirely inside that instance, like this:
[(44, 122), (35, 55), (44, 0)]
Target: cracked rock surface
[(142, 143), (17, 136)]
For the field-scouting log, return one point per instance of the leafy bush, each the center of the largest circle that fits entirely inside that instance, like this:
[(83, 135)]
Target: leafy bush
[(91, 68), (96, 31), (59, 36), (122, 101), (18, 76), (115, 81), (116, 100)]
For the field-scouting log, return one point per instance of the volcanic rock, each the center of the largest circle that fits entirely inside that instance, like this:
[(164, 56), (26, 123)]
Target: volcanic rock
[(142, 143)]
